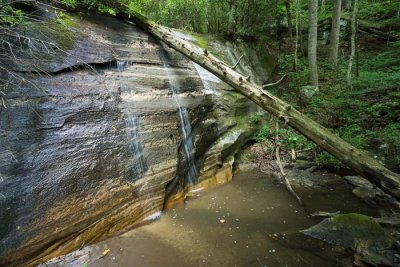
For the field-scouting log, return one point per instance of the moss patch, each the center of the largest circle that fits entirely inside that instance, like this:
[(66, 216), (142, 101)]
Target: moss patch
[(67, 20), (201, 40), (353, 231)]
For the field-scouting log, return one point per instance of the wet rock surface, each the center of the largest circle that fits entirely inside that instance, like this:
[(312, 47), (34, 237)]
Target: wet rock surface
[(359, 233), (92, 142), (366, 191)]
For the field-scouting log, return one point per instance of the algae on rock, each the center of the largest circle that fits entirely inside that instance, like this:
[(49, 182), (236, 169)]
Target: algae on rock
[(357, 232)]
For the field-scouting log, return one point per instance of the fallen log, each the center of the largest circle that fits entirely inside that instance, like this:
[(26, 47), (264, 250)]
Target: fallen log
[(356, 159), (383, 32)]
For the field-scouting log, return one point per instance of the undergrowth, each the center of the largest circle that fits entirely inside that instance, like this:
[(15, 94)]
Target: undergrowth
[(368, 116)]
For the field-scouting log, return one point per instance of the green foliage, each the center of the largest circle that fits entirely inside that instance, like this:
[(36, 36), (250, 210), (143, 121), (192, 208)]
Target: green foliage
[(101, 6), (288, 138), (239, 19), (385, 143), (255, 118), (201, 41), (264, 135), (65, 20), (326, 158), (380, 70), (106, 9), (366, 116), (373, 10), (353, 134), (70, 3), (10, 15)]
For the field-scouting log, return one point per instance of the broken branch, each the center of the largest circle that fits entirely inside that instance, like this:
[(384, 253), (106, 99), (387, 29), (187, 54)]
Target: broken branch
[(237, 63), (275, 83), (278, 161)]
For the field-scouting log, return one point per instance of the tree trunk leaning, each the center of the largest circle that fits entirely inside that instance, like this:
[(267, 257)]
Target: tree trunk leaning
[(356, 159), (335, 32), (312, 41)]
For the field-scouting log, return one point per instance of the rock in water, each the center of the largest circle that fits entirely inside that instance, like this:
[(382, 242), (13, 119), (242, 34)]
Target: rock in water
[(357, 232)]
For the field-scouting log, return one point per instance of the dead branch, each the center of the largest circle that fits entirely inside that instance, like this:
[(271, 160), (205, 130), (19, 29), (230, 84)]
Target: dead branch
[(237, 63), (279, 163), (275, 83), (324, 214)]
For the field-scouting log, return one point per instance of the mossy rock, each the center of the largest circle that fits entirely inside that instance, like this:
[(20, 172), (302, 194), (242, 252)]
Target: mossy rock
[(353, 231), (201, 40)]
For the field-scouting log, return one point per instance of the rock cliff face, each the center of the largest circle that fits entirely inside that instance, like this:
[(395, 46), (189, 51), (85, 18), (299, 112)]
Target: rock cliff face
[(102, 128)]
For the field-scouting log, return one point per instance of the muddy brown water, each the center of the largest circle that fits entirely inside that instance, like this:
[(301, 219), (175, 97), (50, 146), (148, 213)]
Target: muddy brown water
[(236, 224)]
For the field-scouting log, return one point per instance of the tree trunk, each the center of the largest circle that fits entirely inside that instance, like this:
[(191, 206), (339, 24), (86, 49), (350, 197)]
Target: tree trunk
[(296, 46), (289, 18), (335, 32), (348, 5), (357, 51), (322, 6), (349, 155), (312, 41), (353, 42)]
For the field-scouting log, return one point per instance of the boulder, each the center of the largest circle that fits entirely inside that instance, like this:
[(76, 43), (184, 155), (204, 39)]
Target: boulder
[(91, 138), (357, 232)]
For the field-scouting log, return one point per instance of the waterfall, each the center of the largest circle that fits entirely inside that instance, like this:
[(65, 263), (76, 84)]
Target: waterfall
[(207, 78), (187, 144), (135, 150), (139, 166), (138, 163), (186, 129), (121, 65)]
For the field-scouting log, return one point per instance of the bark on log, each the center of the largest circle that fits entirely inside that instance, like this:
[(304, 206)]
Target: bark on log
[(356, 159)]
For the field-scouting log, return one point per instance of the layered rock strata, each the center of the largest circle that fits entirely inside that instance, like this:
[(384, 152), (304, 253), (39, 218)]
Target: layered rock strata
[(91, 138)]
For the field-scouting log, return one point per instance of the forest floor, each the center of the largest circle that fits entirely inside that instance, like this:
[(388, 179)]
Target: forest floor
[(366, 115)]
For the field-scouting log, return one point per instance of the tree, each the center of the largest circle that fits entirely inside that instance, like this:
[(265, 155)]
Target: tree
[(289, 18), (335, 31), (323, 6), (348, 4), (296, 47), (353, 42), (357, 159), (312, 41)]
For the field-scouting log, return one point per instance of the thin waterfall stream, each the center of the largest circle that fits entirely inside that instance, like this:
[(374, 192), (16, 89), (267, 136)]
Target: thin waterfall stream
[(207, 79), (186, 129), (139, 166)]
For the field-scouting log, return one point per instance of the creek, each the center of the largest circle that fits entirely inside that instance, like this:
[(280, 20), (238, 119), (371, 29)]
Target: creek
[(250, 221)]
